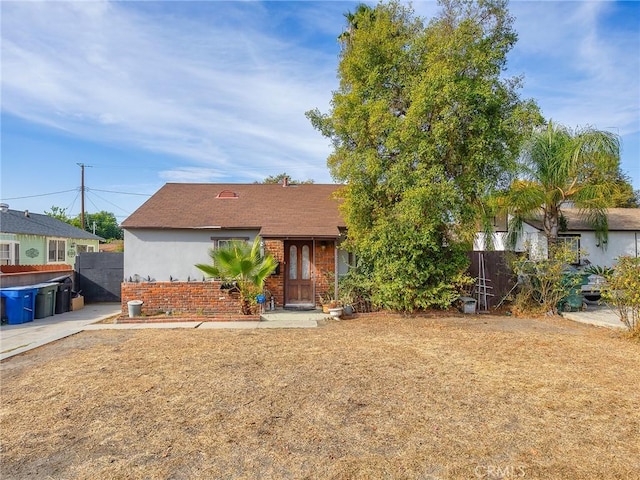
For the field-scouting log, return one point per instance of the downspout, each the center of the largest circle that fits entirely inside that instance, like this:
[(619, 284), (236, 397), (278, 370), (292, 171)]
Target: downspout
[(315, 271), (335, 267)]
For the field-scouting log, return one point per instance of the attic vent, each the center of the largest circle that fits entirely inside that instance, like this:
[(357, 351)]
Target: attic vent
[(227, 194)]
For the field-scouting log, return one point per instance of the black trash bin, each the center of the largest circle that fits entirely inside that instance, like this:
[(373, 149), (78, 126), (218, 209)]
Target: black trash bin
[(63, 300), (63, 297)]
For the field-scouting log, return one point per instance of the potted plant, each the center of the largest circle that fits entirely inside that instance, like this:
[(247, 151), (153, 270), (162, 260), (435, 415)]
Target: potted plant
[(327, 299), (347, 304), (335, 309)]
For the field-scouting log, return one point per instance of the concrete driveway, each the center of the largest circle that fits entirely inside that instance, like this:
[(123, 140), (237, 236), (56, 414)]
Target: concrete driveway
[(15, 339), (601, 316)]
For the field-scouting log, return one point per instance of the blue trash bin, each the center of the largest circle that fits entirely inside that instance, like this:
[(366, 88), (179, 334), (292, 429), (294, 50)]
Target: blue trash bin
[(20, 304)]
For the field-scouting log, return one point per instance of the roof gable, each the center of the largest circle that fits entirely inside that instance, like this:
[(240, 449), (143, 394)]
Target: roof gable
[(277, 211), (27, 223)]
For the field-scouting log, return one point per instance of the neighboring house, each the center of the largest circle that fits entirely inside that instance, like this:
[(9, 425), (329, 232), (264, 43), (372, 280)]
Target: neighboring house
[(300, 225), (623, 237), (33, 239)]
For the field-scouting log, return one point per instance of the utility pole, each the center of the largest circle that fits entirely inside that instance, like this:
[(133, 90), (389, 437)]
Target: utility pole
[(82, 190), (81, 165)]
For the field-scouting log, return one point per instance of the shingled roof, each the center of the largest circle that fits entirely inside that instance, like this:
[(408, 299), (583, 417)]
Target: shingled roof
[(619, 219), (307, 210), (27, 223)]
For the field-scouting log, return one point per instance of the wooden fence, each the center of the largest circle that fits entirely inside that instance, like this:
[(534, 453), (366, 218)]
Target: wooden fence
[(498, 275)]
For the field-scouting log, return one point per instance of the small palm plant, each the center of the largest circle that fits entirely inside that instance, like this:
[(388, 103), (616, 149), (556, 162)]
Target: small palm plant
[(243, 264)]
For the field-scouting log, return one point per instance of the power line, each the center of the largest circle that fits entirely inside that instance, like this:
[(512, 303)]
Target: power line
[(92, 203), (70, 208), (123, 193), (105, 200), (41, 195)]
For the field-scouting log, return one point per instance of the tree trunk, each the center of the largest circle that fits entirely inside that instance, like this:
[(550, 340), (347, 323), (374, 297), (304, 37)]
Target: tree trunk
[(551, 221)]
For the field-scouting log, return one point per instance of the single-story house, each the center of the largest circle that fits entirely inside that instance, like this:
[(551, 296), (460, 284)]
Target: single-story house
[(300, 225), (623, 237), (28, 238)]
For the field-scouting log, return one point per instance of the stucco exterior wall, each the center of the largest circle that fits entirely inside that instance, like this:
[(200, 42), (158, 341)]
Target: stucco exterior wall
[(619, 244), (531, 239), (34, 248), (166, 254)]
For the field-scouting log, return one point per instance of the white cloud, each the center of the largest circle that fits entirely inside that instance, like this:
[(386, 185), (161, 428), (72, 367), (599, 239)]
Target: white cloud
[(223, 86), (192, 174), (581, 72), (195, 88)]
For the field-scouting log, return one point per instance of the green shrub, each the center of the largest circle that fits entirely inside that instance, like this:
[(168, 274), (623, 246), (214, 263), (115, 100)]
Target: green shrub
[(623, 292), (544, 283), (604, 272), (245, 266)]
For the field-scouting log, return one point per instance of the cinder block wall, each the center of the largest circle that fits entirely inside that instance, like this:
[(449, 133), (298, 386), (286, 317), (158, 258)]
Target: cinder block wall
[(194, 298)]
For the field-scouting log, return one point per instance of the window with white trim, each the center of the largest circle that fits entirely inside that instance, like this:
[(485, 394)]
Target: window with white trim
[(57, 251), (573, 241), (346, 261), (9, 253), (226, 242), (85, 248)]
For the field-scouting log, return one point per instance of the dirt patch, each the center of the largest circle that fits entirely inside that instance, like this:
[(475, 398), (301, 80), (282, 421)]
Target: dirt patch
[(374, 397)]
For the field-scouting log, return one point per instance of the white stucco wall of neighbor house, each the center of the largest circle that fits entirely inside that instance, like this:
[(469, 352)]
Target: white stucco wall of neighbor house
[(618, 244), (531, 239), (166, 254)]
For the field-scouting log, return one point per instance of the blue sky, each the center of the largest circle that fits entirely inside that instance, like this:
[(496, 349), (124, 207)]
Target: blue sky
[(152, 92)]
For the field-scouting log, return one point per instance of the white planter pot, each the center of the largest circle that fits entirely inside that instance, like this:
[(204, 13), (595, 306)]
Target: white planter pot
[(336, 312)]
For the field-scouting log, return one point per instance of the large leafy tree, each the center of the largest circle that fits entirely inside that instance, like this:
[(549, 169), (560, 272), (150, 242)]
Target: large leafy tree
[(423, 128), (243, 264), (623, 196), (279, 178), (560, 168), (106, 223)]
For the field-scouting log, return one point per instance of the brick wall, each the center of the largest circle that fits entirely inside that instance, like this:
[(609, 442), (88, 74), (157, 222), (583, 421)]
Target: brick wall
[(181, 298), (275, 283), (324, 260)]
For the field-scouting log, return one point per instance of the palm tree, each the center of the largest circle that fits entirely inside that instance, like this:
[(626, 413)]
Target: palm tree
[(362, 10), (243, 264), (561, 168)]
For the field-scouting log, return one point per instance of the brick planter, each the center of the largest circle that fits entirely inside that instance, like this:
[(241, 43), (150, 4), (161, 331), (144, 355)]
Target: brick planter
[(190, 300)]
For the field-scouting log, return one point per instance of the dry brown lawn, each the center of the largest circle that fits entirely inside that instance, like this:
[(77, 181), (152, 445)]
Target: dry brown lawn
[(370, 398)]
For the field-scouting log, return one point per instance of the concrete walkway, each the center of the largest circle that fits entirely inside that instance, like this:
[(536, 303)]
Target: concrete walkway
[(16, 339), (601, 316)]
